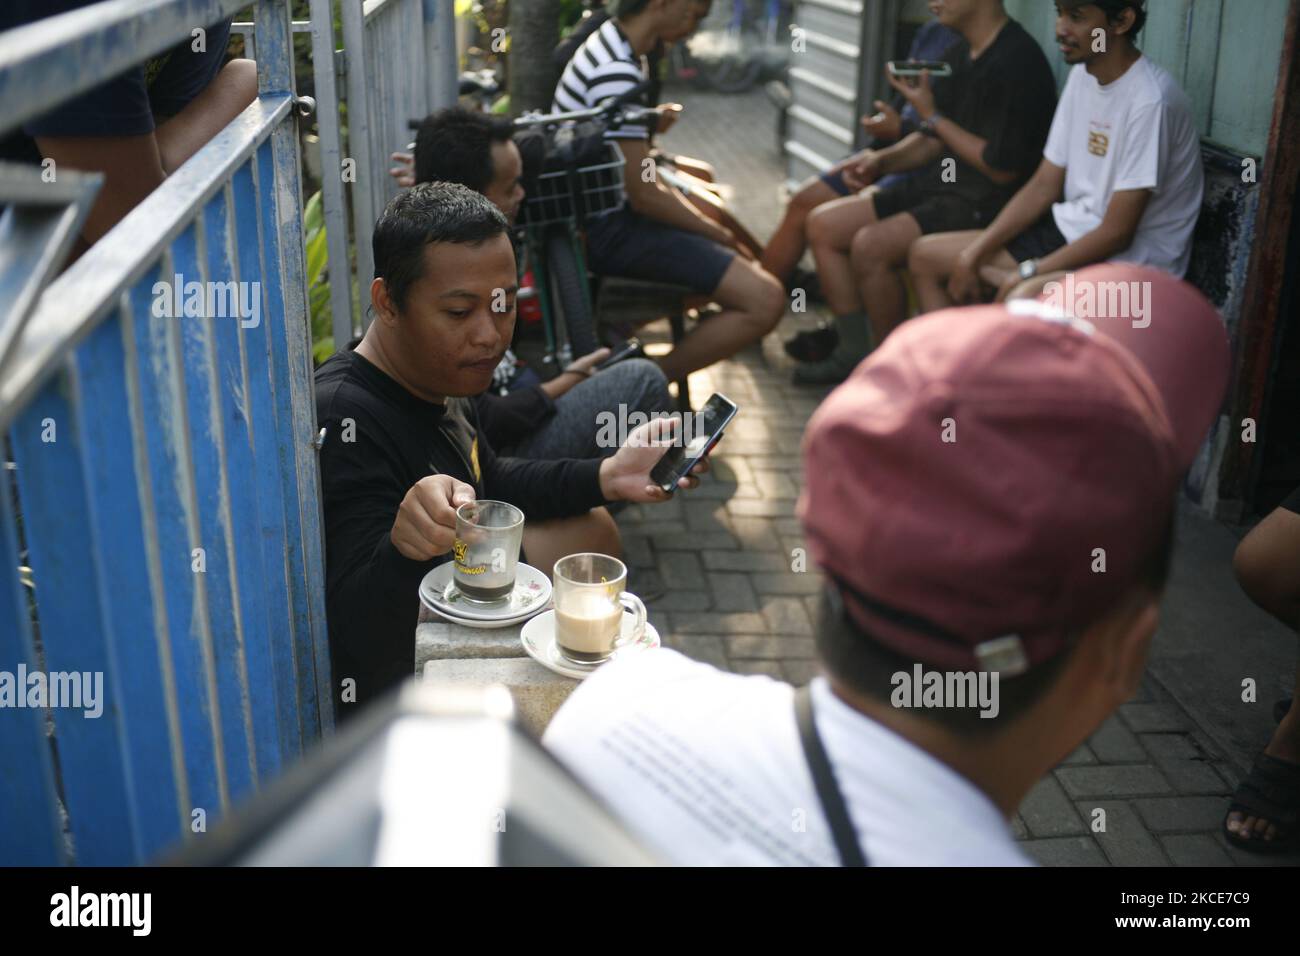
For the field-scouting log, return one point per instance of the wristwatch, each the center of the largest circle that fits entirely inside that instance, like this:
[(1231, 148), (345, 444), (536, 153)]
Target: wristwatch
[(926, 125), (1028, 269)]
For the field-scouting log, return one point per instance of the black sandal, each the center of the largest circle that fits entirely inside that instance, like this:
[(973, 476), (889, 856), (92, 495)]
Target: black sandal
[(1271, 791)]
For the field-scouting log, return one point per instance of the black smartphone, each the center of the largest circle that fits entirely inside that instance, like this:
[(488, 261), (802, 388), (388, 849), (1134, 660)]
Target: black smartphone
[(700, 432), (630, 348), (917, 67)]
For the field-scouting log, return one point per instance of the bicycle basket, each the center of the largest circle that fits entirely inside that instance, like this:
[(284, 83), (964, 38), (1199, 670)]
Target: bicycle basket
[(582, 177)]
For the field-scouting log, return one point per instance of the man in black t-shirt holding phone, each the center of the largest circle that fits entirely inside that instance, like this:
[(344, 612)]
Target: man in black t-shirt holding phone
[(982, 131), (403, 448)]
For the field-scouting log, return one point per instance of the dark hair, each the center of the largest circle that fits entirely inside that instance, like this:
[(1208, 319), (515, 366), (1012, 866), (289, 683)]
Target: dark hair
[(455, 145), (626, 8), (1113, 8), (424, 214), (866, 666)]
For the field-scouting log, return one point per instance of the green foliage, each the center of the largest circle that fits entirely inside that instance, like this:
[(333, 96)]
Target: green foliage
[(570, 14), (318, 283)]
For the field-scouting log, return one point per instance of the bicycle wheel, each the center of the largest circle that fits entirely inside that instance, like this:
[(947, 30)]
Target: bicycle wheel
[(570, 298)]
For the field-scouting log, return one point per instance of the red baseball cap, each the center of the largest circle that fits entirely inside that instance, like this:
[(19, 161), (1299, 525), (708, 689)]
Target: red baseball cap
[(961, 481)]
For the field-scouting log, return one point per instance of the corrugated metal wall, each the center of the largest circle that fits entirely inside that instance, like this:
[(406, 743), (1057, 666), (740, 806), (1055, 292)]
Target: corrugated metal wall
[(834, 76)]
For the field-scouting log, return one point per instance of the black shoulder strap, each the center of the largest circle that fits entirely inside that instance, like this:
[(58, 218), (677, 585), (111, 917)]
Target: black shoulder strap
[(828, 791)]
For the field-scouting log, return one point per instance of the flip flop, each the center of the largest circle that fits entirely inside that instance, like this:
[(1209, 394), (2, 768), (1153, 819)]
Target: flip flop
[(1270, 791)]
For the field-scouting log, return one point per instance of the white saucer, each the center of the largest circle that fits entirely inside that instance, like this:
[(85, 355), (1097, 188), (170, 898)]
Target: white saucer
[(486, 625), (538, 638), (531, 594)]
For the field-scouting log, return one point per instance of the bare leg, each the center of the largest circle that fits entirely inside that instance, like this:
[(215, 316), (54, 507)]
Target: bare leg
[(876, 253), (547, 541), (831, 228), (1033, 288), (134, 166), (785, 248), (753, 302), (183, 135), (1267, 565), (930, 260)]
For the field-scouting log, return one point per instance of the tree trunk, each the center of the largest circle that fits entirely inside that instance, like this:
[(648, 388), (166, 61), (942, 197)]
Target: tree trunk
[(534, 31)]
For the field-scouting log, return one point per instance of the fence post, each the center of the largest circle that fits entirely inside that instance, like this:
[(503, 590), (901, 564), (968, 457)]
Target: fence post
[(275, 74), (442, 60), (331, 165), (359, 133)]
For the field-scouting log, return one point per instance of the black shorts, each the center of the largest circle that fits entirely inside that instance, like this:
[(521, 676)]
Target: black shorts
[(626, 244), (836, 181), (1040, 239), (934, 210), (1292, 502), (132, 102)]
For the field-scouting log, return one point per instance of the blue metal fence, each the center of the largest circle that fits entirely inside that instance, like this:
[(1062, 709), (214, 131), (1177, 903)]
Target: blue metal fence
[(163, 474), (398, 63)]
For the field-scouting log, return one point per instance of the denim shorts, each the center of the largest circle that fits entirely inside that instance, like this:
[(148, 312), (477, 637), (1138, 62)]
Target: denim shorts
[(628, 245)]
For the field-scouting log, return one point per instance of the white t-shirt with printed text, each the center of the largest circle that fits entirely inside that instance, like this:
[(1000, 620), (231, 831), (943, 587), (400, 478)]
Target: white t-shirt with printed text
[(706, 768), (1134, 133)]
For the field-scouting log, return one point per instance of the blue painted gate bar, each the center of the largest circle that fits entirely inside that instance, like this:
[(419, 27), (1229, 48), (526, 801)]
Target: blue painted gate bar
[(160, 528)]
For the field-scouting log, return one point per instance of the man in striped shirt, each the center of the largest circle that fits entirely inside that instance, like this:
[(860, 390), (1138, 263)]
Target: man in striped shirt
[(658, 235)]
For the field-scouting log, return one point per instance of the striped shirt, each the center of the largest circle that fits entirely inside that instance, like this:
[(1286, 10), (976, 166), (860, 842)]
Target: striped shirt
[(604, 66)]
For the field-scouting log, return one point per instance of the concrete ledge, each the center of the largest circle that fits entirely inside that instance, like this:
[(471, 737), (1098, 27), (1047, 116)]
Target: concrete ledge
[(442, 640), (537, 692)]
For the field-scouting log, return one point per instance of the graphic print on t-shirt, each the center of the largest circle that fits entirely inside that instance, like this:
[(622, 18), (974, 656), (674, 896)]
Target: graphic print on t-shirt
[(1098, 137)]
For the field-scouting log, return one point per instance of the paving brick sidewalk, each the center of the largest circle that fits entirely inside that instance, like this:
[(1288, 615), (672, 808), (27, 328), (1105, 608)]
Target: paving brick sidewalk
[(724, 554)]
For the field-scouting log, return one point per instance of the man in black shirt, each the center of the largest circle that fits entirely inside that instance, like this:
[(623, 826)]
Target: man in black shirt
[(402, 449), (982, 131)]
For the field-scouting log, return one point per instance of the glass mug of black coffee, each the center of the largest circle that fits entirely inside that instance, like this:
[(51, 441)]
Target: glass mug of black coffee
[(486, 550), (589, 603)]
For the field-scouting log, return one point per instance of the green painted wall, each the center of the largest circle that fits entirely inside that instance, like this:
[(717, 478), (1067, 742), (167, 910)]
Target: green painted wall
[(1224, 52)]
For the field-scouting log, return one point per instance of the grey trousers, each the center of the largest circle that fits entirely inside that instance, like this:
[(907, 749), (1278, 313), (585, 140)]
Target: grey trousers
[(635, 386)]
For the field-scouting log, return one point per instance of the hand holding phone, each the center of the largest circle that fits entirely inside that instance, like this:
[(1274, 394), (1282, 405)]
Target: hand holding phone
[(626, 475), (700, 432), (631, 348)]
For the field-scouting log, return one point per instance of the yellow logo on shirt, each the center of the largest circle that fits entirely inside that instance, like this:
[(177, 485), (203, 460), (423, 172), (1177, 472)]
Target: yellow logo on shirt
[(473, 460), (1098, 143)]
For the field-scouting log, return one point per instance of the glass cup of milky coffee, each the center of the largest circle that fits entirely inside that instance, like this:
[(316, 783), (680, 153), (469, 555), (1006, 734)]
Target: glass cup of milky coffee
[(589, 602), (486, 550)]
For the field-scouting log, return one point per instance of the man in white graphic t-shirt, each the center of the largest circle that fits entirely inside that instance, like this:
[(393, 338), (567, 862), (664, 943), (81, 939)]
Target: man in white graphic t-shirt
[(1121, 176)]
